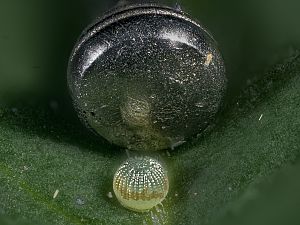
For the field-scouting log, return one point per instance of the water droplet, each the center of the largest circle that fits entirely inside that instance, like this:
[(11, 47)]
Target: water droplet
[(129, 92)]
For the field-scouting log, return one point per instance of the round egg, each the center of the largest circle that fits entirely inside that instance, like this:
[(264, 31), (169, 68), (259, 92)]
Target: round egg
[(141, 183)]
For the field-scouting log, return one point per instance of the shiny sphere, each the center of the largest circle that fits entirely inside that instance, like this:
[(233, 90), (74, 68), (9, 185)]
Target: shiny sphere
[(146, 77), (141, 183)]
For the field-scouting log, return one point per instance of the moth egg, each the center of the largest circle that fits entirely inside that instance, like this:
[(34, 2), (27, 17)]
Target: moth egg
[(141, 183)]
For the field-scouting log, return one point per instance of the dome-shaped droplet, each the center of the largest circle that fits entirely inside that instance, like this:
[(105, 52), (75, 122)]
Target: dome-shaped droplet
[(146, 77), (141, 183)]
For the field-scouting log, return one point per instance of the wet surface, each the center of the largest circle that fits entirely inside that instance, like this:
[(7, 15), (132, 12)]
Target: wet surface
[(147, 79)]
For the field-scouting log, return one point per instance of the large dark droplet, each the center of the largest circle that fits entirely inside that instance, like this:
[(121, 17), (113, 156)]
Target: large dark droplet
[(151, 76)]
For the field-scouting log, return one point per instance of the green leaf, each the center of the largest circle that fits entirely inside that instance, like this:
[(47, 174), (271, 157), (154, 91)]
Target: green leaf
[(274, 202), (4, 220)]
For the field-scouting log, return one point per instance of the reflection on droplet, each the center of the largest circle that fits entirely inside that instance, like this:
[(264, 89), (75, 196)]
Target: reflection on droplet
[(135, 112), (177, 37), (91, 54)]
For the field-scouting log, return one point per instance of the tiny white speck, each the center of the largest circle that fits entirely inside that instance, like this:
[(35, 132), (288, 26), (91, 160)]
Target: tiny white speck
[(80, 201), (195, 193), (55, 194), (199, 105), (261, 116), (109, 195), (208, 60), (230, 188)]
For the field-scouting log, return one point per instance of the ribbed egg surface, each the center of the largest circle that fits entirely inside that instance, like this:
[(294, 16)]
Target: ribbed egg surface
[(141, 183)]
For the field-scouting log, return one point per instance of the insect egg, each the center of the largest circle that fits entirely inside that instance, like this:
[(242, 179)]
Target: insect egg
[(141, 183)]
